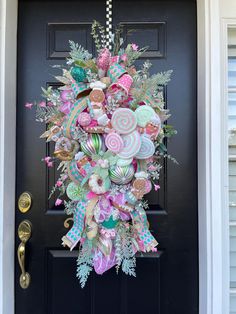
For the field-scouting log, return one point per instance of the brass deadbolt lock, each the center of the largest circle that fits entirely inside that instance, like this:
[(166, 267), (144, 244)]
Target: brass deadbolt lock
[(25, 202)]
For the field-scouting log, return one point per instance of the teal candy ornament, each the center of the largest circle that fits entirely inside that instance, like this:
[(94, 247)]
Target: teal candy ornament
[(78, 74)]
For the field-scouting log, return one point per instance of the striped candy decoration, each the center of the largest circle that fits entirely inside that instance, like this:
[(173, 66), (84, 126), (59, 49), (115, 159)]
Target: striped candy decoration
[(93, 145), (73, 172), (70, 123), (121, 175)]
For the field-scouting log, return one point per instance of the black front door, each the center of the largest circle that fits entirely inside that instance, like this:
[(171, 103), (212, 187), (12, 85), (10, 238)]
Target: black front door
[(167, 282)]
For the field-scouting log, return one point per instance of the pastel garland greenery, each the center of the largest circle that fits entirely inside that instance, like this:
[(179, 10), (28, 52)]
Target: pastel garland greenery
[(108, 123)]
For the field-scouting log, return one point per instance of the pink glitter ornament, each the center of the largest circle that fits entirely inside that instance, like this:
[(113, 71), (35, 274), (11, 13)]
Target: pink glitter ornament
[(103, 59), (84, 119)]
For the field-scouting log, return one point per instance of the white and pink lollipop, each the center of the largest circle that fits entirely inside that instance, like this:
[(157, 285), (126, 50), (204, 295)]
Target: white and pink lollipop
[(132, 144), (124, 121), (147, 148), (114, 142)]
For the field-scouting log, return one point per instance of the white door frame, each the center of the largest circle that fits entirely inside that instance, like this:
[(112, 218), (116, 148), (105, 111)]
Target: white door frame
[(210, 186)]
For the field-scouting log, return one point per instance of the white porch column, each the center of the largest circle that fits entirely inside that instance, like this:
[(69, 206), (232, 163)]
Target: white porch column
[(8, 41)]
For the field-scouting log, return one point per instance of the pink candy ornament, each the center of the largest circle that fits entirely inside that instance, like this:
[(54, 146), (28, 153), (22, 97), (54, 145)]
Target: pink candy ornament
[(103, 59), (84, 119), (114, 142)]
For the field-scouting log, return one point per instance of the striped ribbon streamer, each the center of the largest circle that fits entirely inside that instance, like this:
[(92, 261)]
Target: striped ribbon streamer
[(74, 235), (109, 23)]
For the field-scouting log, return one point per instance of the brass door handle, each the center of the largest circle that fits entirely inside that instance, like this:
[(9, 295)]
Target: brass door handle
[(24, 234)]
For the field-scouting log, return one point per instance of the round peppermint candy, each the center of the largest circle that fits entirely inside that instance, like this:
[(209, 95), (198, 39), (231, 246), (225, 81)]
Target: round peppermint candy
[(124, 121), (147, 148), (144, 114), (114, 142), (124, 162), (132, 144), (74, 191)]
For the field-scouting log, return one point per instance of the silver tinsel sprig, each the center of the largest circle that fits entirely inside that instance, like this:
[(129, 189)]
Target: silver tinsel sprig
[(142, 205), (44, 114), (77, 53), (79, 134), (91, 76), (111, 105), (70, 207), (118, 189)]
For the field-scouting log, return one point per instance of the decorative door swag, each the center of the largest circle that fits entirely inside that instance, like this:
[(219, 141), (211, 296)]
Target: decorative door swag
[(107, 122)]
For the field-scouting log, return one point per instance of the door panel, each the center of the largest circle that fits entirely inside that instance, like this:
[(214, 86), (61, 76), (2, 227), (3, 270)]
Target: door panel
[(167, 282)]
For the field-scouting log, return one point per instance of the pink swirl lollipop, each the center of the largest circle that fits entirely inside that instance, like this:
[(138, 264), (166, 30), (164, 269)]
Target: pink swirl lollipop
[(84, 119), (147, 148), (114, 142), (124, 121), (132, 144)]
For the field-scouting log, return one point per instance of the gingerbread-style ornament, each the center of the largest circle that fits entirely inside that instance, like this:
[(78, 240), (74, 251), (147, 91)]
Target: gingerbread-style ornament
[(139, 184), (97, 95), (138, 194)]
